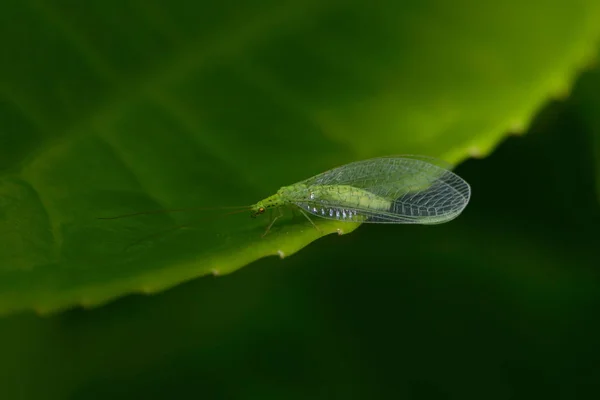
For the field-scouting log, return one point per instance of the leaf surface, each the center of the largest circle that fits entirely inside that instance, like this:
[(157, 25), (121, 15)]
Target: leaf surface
[(110, 107)]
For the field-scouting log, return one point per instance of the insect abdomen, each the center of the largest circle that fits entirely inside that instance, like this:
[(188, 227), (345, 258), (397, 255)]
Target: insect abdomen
[(342, 202), (342, 196), (342, 214)]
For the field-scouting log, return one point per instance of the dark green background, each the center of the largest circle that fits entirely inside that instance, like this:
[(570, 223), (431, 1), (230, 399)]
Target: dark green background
[(502, 303)]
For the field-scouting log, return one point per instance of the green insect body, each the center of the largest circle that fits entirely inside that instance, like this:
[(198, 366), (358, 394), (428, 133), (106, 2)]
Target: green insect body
[(333, 201), (402, 189)]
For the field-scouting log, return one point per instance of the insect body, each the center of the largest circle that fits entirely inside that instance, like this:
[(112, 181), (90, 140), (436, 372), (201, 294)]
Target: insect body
[(401, 190)]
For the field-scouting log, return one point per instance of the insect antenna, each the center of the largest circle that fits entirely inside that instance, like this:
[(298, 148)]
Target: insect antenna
[(177, 227), (169, 210)]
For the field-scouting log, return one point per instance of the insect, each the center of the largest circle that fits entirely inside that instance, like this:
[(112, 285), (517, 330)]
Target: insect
[(392, 190), (389, 190)]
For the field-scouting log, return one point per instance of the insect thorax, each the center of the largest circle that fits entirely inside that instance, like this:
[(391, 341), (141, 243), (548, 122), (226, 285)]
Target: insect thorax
[(290, 194)]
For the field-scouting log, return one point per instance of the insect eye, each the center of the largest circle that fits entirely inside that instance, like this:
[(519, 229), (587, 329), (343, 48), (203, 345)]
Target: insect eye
[(261, 210)]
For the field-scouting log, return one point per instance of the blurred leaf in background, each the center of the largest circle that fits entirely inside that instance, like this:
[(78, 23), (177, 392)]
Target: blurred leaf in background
[(111, 107)]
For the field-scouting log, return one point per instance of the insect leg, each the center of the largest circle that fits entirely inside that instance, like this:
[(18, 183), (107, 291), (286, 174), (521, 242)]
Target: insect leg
[(310, 220), (272, 222)]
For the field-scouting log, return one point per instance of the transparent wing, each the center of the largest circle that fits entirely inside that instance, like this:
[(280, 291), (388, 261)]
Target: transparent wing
[(421, 190)]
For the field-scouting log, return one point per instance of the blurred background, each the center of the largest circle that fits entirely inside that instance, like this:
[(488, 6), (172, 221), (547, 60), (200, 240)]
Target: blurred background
[(115, 106)]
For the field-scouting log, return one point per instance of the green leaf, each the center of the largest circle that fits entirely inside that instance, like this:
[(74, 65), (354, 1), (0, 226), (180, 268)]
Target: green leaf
[(111, 107)]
